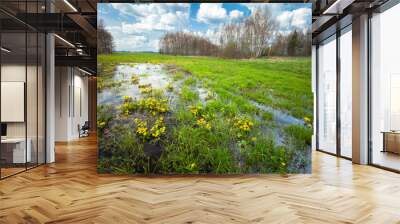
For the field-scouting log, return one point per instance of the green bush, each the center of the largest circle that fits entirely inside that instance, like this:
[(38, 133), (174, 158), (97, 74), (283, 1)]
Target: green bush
[(121, 151), (299, 135), (264, 157), (188, 95), (190, 81)]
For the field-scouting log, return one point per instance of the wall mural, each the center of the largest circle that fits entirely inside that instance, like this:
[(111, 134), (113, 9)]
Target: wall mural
[(196, 88)]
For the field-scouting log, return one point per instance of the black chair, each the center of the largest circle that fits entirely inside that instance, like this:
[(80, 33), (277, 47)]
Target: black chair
[(84, 130)]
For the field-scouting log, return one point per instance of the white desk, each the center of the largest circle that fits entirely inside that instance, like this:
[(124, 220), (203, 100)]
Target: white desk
[(19, 155)]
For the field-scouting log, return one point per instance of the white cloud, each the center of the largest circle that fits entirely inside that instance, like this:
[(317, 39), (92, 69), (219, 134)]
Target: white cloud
[(143, 24), (211, 12), (153, 17), (298, 18), (235, 14), (144, 9), (131, 41)]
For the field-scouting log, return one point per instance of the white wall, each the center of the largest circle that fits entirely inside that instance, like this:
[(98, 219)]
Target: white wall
[(17, 73), (71, 87), (62, 81)]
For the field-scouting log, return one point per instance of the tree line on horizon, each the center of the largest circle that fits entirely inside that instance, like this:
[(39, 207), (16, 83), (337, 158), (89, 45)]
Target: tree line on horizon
[(256, 36)]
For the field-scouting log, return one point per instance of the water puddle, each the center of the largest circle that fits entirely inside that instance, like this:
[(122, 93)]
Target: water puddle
[(279, 116), (148, 74)]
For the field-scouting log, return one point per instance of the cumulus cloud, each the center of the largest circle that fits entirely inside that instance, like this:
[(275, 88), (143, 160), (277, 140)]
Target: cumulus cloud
[(288, 19), (131, 41), (235, 14), (143, 24), (211, 12), (298, 18), (153, 17), (144, 9)]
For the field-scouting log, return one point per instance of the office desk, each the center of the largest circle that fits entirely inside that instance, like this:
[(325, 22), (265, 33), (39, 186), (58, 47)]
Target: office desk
[(13, 150)]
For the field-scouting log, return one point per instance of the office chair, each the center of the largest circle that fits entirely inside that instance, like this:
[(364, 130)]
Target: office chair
[(84, 130)]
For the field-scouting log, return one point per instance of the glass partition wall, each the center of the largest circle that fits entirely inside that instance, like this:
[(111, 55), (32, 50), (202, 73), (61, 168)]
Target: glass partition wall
[(334, 94), (22, 77), (385, 89)]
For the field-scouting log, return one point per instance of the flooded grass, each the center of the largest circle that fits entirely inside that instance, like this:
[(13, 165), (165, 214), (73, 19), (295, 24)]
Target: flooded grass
[(185, 120)]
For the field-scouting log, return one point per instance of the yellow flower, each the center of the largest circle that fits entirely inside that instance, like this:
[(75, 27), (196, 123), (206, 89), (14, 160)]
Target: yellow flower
[(101, 124), (142, 131), (146, 90), (162, 130), (253, 139), (243, 124), (201, 121), (127, 98)]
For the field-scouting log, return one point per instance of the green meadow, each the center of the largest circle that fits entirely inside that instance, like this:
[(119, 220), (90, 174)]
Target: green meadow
[(211, 115)]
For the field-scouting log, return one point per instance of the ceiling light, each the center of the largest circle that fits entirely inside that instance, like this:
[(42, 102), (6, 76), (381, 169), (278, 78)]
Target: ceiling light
[(86, 72), (5, 50), (65, 41), (70, 5)]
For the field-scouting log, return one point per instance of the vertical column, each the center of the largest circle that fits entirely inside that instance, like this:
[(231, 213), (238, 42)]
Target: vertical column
[(360, 90), (50, 91), (50, 98), (338, 91), (314, 91)]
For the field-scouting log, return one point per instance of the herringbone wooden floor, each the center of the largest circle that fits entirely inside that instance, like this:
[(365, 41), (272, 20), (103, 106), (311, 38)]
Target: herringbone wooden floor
[(70, 191)]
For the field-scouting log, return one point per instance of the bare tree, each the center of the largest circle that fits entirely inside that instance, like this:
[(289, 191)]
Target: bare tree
[(259, 29), (250, 38), (181, 43), (105, 41)]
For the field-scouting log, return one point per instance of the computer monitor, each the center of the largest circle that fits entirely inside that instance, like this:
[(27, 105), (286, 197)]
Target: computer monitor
[(3, 129)]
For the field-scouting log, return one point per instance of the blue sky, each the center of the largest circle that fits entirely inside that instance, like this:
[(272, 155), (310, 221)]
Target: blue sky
[(139, 26)]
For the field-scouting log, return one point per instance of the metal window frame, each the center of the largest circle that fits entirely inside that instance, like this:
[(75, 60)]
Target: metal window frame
[(338, 33)]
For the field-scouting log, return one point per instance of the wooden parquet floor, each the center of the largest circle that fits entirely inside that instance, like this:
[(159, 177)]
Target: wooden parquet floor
[(70, 191)]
